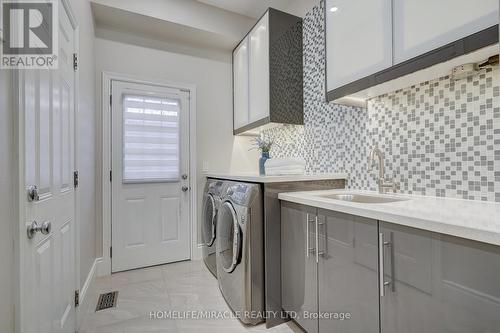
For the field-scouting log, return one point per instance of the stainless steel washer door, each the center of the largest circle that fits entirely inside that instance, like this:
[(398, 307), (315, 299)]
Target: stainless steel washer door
[(228, 237), (209, 220)]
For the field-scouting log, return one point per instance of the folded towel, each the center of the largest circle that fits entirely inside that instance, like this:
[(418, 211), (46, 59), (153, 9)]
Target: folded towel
[(286, 172), (279, 162), (286, 168)]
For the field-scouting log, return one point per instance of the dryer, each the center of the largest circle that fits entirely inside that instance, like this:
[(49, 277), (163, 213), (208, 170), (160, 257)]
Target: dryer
[(212, 199), (240, 251)]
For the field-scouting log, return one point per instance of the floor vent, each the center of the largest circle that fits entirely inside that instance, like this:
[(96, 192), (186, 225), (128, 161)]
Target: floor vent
[(107, 300)]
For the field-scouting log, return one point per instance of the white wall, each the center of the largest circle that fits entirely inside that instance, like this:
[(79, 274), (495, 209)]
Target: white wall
[(87, 142), (7, 202), (215, 142)]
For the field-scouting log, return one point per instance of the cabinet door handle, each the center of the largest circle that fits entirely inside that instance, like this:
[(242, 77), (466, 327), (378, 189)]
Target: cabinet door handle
[(317, 239), (318, 252), (381, 246), (308, 248)]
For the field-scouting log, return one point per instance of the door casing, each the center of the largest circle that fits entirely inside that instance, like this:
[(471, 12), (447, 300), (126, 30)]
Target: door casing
[(106, 79)]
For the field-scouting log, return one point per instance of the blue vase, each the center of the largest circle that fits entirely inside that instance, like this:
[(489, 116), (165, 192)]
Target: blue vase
[(263, 158)]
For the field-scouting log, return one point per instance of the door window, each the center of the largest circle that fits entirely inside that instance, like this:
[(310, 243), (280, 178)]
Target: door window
[(150, 139)]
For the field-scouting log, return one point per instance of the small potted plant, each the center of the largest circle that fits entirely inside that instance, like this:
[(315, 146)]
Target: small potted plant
[(264, 146)]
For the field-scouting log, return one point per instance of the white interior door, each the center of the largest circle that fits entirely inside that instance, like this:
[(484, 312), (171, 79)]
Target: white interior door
[(150, 169), (48, 259)]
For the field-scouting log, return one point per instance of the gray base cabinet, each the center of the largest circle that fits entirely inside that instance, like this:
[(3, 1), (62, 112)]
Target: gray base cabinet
[(439, 283), (299, 273), (347, 273), (329, 267), (388, 278)]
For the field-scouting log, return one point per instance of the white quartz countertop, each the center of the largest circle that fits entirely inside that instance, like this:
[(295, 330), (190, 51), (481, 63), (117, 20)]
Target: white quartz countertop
[(255, 178), (475, 220)]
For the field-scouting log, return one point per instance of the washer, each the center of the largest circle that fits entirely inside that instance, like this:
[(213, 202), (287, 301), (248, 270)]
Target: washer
[(211, 202), (240, 251)]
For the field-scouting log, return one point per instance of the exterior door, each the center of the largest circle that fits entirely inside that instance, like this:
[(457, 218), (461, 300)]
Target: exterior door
[(48, 257), (150, 168)]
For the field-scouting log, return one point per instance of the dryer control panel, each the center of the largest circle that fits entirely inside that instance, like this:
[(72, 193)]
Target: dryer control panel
[(240, 193), (216, 187)]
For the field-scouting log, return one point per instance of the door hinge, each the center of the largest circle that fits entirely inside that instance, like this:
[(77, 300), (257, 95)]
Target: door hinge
[(111, 252), (75, 62), (76, 181), (77, 298), (110, 175)]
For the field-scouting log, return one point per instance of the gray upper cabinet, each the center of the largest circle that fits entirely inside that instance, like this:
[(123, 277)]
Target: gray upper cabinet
[(373, 45), (268, 74), (298, 263), (438, 283), (347, 273)]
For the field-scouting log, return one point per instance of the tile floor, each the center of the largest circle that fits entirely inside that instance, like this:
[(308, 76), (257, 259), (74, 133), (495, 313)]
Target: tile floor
[(184, 286)]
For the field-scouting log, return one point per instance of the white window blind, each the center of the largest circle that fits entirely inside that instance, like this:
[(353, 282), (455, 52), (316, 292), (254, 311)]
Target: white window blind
[(151, 139)]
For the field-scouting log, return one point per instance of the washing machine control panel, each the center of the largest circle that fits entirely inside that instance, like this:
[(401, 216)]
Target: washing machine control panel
[(240, 193), (216, 187)]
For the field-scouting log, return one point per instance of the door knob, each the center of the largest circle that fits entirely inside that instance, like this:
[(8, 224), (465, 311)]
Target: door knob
[(34, 227), (33, 193), (185, 189)]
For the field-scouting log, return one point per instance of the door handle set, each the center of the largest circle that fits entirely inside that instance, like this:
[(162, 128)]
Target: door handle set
[(45, 228), (33, 194), (34, 227), (382, 244)]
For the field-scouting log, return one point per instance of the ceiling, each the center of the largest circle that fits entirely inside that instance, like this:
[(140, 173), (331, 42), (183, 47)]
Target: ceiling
[(250, 8)]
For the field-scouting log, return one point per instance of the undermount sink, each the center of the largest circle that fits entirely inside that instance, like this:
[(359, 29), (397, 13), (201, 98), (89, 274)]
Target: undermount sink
[(362, 198)]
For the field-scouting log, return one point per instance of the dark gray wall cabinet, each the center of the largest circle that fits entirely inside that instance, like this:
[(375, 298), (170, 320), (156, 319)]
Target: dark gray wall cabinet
[(389, 278)]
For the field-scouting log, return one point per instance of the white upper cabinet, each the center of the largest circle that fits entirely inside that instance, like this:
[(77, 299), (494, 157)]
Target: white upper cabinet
[(358, 39), (421, 26), (240, 77), (261, 97), (377, 46), (259, 70)]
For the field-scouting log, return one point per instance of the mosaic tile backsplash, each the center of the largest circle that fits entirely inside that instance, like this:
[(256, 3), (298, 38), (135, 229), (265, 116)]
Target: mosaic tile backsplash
[(440, 138)]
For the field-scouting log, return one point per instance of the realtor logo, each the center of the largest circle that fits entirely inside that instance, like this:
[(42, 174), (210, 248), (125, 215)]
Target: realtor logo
[(30, 32)]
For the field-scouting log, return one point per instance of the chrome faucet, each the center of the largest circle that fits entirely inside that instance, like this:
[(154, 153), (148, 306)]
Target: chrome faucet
[(383, 185)]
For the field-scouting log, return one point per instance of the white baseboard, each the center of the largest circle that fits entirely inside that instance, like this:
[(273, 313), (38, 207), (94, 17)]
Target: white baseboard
[(90, 279), (196, 254)]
